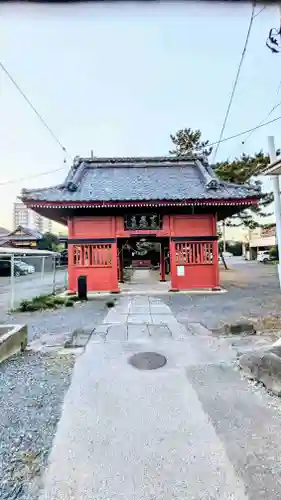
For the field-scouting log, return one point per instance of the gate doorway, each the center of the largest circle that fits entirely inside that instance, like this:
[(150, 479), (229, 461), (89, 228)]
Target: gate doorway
[(143, 263)]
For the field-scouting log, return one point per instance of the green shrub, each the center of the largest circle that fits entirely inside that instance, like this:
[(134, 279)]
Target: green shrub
[(73, 298), (273, 252), (24, 305), (59, 300), (43, 302)]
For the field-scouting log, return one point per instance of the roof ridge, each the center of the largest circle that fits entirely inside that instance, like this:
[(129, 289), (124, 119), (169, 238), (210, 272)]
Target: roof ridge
[(211, 181), (134, 161), (138, 159)]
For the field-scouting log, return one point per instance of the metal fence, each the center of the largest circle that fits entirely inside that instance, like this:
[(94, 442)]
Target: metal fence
[(23, 277)]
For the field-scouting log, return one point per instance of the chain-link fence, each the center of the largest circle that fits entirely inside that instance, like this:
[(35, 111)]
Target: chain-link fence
[(23, 277)]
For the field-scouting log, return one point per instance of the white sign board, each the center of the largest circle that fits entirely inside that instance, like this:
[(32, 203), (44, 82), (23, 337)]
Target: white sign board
[(180, 270)]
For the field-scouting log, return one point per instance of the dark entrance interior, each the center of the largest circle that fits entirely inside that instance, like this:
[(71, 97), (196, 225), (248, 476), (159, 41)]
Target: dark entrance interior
[(147, 253)]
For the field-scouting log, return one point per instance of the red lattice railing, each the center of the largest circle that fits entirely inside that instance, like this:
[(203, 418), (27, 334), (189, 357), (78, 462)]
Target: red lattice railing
[(92, 255), (194, 253)]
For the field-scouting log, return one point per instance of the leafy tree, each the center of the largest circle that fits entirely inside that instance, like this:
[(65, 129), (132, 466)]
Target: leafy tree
[(243, 170), (274, 254), (233, 247), (49, 241)]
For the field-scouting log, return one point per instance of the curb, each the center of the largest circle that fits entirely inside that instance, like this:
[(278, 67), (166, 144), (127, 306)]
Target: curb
[(13, 339)]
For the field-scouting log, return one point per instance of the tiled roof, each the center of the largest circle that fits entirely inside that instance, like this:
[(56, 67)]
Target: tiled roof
[(28, 234), (140, 179)]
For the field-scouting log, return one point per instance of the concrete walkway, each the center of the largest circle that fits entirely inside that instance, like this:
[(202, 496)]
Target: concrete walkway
[(145, 280), (184, 431)]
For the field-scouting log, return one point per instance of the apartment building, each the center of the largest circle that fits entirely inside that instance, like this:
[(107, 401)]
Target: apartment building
[(23, 216)]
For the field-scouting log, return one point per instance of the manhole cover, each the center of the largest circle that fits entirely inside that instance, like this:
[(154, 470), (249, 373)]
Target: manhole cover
[(148, 360)]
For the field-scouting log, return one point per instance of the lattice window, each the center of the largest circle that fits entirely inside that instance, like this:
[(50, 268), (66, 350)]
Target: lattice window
[(194, 253), (92, 255)]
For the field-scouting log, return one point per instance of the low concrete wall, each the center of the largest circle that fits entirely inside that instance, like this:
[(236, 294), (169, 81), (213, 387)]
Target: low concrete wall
[(13, 339)]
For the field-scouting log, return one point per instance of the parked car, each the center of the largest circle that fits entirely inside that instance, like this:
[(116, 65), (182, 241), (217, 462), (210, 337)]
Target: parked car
[(5, 268), (62, 258), (30, 269), (264, 256)]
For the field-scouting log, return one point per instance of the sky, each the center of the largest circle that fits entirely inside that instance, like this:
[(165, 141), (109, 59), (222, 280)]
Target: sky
[(118, 79)]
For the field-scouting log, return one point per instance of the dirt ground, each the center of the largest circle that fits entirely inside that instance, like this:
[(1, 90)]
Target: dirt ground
[(257, 279)]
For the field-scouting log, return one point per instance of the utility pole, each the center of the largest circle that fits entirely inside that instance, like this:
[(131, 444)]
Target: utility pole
[(277, 200), (249, 239)]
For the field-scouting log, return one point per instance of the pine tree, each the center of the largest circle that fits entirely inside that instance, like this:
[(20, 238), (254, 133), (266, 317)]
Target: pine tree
[(243, 170)]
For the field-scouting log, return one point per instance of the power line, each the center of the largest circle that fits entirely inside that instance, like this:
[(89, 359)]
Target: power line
[(268, 114), (260, 11), (33, 108), (20, 179), (245, 131), (236, 80), (239, 134)]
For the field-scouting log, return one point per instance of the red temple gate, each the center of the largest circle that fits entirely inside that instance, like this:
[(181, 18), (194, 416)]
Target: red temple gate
[(193, 259), (107, 201)]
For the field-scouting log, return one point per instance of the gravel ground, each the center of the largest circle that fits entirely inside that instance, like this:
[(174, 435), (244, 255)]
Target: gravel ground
[(252, 293), (32, 391), (62, 320)]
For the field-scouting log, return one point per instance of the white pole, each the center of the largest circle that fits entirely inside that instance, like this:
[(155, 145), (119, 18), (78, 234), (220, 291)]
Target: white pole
[(12, 282), (54, 275), (250, 248), (277, 200), (43, 267)]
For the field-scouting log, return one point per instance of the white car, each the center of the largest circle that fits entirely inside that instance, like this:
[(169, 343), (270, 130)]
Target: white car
[(264, 256), (30, 269)]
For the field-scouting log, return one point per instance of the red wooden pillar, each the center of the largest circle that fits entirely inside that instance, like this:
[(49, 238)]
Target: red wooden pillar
[(121, 265), (162, 263), (70, 269), (114, 275), (173, 267), (216, 255)]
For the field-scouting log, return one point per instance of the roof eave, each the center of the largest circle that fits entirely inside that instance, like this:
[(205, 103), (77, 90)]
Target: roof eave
[(251, 199)]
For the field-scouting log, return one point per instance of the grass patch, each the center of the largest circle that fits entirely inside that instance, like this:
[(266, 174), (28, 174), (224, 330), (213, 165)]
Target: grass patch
[(44, 302), (267, 324)]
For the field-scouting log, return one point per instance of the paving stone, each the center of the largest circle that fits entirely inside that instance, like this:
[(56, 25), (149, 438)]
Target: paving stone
[(158, 319), (139, 318), (138, 331), (179, 331), (158, 309), (139, 309), (117, 332), (113, 317), (159, 331), (100, 333)]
